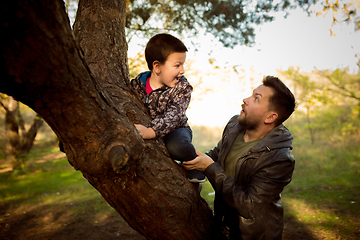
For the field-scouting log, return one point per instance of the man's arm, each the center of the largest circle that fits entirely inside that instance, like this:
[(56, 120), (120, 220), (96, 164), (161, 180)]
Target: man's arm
[(264, 186)]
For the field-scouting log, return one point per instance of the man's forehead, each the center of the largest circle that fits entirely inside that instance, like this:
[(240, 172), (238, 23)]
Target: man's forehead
[(263, 90)]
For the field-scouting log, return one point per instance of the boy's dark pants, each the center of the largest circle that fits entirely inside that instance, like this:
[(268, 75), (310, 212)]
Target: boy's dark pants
[(178, 143)]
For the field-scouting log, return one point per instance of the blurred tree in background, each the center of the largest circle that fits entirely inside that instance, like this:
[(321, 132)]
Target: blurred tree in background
[(18, 139), (330, 101), (341, 11)]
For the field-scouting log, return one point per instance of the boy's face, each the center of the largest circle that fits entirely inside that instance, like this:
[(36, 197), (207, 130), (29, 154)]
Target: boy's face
[(172, 69)]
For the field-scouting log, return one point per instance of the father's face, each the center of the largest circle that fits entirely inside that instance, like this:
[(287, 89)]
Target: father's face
[(255, 108)]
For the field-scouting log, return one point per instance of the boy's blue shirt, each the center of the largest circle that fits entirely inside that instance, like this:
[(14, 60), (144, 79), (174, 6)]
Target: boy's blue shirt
[(145, 76)]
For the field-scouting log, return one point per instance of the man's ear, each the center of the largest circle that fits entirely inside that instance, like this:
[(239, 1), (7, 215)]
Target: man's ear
[(271, 117), (157, 67)]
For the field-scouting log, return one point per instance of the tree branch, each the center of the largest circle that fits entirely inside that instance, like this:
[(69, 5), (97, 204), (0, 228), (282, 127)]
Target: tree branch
[(349, 93)]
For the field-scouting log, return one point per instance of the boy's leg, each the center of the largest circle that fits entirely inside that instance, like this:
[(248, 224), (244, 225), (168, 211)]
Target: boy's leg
[(178, 143), (180, 148)]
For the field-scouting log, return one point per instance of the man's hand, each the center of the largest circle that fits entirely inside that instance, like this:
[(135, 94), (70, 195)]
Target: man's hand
[(201, 162), (145, 133)]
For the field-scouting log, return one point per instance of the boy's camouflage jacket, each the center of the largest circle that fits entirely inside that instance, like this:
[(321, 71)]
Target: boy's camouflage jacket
[(166, 106)]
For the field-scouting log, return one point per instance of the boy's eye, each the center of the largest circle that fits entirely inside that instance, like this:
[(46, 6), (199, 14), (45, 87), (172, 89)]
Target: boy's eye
[(256, 99)]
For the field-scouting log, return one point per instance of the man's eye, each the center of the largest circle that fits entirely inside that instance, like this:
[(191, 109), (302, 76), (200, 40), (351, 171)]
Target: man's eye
[(256, 99)]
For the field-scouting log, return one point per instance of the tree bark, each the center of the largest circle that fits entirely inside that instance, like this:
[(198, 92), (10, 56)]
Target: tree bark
[(81, 89)]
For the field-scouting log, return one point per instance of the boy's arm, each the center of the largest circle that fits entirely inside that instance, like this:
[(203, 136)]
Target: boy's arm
[(145, 133)]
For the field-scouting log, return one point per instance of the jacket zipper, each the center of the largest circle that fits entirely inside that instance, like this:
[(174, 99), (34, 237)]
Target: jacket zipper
[(148, 95)]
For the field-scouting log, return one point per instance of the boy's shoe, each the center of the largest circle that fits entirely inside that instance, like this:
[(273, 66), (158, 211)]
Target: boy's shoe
[(196, 176)]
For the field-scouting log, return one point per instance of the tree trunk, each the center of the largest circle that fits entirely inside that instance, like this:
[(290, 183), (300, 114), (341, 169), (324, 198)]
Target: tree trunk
[(82, 91), (308, 120), (28, 137), (12, 138)]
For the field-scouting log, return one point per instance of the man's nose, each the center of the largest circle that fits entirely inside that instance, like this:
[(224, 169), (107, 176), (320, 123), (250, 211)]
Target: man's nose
[(245, 100)]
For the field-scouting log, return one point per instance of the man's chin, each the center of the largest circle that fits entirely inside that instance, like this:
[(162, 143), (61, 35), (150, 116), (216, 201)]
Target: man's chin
[(245, 124), (240, 118)]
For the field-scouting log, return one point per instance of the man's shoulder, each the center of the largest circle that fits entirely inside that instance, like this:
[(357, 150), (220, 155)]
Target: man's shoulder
[(232, 125), (278, 138), (233, 121)]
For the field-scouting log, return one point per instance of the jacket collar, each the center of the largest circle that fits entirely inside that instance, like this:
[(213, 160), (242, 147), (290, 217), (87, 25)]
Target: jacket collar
[(143, 76), (278, 137)]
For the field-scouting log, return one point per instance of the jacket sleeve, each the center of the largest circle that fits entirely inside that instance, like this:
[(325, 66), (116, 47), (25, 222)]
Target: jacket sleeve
[(174, 114), (263, 186)]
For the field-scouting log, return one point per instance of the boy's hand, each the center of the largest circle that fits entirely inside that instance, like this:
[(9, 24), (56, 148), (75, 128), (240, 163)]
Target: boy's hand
[(201, 162), (145, 133)]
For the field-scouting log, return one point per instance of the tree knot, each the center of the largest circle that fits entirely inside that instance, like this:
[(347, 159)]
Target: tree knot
[(118, 156)]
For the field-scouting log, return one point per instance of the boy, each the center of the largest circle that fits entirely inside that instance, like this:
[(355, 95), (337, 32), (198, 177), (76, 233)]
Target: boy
[(166, 93)]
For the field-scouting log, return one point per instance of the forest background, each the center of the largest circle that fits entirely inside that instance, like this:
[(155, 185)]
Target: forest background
[(322, 201)]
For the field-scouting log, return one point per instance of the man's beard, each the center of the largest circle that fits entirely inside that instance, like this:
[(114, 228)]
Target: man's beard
[(246, 123)]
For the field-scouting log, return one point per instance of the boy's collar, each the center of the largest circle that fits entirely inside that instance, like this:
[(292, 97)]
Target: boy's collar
[(145, 76)]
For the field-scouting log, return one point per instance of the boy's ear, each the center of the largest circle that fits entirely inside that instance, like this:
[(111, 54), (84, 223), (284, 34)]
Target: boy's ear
[(156, 67), (271, 117)]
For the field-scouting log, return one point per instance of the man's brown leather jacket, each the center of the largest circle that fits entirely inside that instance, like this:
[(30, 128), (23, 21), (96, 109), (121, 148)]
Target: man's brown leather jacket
[(249, 206)]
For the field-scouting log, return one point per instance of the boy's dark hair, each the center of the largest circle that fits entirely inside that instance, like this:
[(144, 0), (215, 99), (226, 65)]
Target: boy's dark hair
[(282, 100), (160, 47)]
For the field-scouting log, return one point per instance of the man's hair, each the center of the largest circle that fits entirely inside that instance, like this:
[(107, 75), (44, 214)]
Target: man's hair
[(282, 100), (160, 47)]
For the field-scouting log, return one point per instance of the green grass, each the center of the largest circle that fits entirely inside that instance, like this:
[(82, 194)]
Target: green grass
[(325, 190), (323, 197), (208, 193), (48, 183)]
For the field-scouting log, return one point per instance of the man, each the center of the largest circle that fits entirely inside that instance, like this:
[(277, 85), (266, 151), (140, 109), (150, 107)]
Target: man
[(251, 165)]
